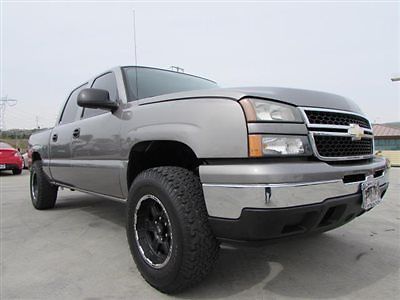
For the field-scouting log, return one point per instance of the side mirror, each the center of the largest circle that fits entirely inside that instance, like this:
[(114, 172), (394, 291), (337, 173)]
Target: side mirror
[(96, 98)]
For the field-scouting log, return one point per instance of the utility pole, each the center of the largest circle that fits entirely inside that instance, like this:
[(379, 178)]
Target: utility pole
[(177, 69), (4, 101)]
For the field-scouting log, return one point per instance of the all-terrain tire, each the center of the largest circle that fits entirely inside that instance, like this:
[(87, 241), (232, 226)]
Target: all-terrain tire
[(17, 171), (43, 193), (194, 248)]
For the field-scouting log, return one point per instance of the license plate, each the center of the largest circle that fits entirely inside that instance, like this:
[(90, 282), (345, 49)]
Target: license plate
[(2, 166), (371, 194)]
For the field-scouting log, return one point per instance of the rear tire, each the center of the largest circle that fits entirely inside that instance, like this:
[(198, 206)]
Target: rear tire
[(43, 193), (17, 171), (185, 248)]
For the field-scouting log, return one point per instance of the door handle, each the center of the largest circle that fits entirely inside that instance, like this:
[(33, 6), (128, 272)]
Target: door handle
[(55, 137), (76, 133)]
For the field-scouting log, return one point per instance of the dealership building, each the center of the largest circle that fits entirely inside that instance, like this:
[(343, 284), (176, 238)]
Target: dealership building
[(387, 142)]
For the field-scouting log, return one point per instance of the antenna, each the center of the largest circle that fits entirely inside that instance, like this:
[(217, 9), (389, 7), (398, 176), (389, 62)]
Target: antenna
[(134, 42)]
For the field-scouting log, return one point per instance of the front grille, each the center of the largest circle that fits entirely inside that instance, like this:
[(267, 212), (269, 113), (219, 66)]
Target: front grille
[(335, 118), (342, 146)]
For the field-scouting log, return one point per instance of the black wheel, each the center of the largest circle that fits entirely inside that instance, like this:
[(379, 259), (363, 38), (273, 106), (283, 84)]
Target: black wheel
[(168, 230), (17, 171), (43, 193)]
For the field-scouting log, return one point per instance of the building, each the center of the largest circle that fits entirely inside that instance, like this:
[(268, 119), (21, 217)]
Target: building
[(387, 142)]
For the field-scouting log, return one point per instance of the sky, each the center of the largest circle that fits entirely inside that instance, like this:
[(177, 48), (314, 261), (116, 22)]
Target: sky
[(347, 48)]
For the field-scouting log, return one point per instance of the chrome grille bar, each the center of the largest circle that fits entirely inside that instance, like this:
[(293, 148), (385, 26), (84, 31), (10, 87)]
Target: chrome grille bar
[(344, 131)]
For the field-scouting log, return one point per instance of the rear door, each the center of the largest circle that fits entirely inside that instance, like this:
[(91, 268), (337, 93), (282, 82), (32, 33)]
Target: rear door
[(61, 138), (96, 149)]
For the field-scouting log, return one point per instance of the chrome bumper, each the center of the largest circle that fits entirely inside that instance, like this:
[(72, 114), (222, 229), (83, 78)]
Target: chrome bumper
[(226, 200)]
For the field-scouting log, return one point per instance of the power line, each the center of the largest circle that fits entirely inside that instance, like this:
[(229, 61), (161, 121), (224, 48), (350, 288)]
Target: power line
[(31, 115), (4, 102), (30, 120)]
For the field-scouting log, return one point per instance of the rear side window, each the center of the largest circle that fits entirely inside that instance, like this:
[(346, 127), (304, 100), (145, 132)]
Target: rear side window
[(71, 107), (105, 82)]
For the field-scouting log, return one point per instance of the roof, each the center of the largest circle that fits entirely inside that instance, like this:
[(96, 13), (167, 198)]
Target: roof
[(385, 131)]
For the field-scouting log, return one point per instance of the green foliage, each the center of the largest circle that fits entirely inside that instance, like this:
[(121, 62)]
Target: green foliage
[(18, 138)]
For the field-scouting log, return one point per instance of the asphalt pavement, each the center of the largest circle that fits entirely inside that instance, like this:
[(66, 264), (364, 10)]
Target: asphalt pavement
[(78, 250)]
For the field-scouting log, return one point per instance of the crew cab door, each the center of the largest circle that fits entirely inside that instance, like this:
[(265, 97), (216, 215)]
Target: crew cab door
[(95, 147), (60, 140)]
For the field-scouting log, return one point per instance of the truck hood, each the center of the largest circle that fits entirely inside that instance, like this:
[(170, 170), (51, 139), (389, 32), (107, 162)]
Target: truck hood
[(297, 97)]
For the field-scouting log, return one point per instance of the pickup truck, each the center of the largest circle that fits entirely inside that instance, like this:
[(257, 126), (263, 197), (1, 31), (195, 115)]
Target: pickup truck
[(199, 165)]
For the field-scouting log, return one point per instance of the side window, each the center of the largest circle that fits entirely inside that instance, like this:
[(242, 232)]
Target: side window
[(105, 82), (71, 107)]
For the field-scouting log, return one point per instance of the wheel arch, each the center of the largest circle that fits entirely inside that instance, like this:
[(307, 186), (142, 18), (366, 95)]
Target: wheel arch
[(35, 156), (156, 153)]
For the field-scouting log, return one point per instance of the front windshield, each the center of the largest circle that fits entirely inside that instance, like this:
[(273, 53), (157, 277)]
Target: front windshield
[(154, 82)]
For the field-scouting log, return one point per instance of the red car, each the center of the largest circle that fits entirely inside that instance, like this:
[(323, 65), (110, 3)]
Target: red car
[(10, 159)]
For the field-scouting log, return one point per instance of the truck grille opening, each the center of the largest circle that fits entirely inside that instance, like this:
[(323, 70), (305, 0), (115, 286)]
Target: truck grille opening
[(335, 118), (342, 146), (332, 215), (353, 178), (378, 173)]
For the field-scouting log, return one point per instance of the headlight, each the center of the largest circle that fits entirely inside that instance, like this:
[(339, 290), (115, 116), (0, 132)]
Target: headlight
[(271, 145), (263, 110)]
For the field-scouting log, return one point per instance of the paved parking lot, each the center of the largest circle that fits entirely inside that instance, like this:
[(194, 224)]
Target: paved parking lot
[(79, 251)]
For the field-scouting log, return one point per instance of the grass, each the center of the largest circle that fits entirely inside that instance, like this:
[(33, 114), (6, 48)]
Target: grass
[(17, 143)]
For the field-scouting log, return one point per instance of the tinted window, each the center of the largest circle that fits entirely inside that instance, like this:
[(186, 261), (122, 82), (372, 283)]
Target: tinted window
[(155, 82), (71, 108), (105, 82)]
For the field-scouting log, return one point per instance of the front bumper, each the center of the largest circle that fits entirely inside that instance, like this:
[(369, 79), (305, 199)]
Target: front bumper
[(228, 189), (266, 224), (279, 189)]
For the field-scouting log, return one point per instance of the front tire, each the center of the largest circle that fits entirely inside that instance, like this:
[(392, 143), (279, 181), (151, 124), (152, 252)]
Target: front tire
[(168, 230), (43, 193)]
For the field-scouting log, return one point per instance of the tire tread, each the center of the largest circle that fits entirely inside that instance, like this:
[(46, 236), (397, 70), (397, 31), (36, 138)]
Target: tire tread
[(201, 247), (47, 192)]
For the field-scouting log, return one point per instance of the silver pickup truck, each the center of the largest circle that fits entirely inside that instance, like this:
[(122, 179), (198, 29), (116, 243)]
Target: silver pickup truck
[(199, 164)]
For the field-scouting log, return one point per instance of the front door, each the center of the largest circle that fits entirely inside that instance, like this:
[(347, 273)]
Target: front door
[(96, 146)]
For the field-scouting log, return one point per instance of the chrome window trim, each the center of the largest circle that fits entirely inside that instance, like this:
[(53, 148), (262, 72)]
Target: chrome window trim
[(368, 133)]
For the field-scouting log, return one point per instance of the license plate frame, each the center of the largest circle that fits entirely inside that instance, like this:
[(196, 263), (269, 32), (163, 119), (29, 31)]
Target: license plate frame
[(371, 194)]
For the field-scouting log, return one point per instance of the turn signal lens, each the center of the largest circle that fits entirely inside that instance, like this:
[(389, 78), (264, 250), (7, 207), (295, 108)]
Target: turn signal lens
[(255, 147), (270, 145)]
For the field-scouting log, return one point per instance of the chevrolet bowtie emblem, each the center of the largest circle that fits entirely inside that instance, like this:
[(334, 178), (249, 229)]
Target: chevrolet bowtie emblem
[(356, 132)]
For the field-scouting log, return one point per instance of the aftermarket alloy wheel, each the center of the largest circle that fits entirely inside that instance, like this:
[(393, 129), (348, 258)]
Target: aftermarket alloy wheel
[(43, 193), (153, 232), (167, 229)]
